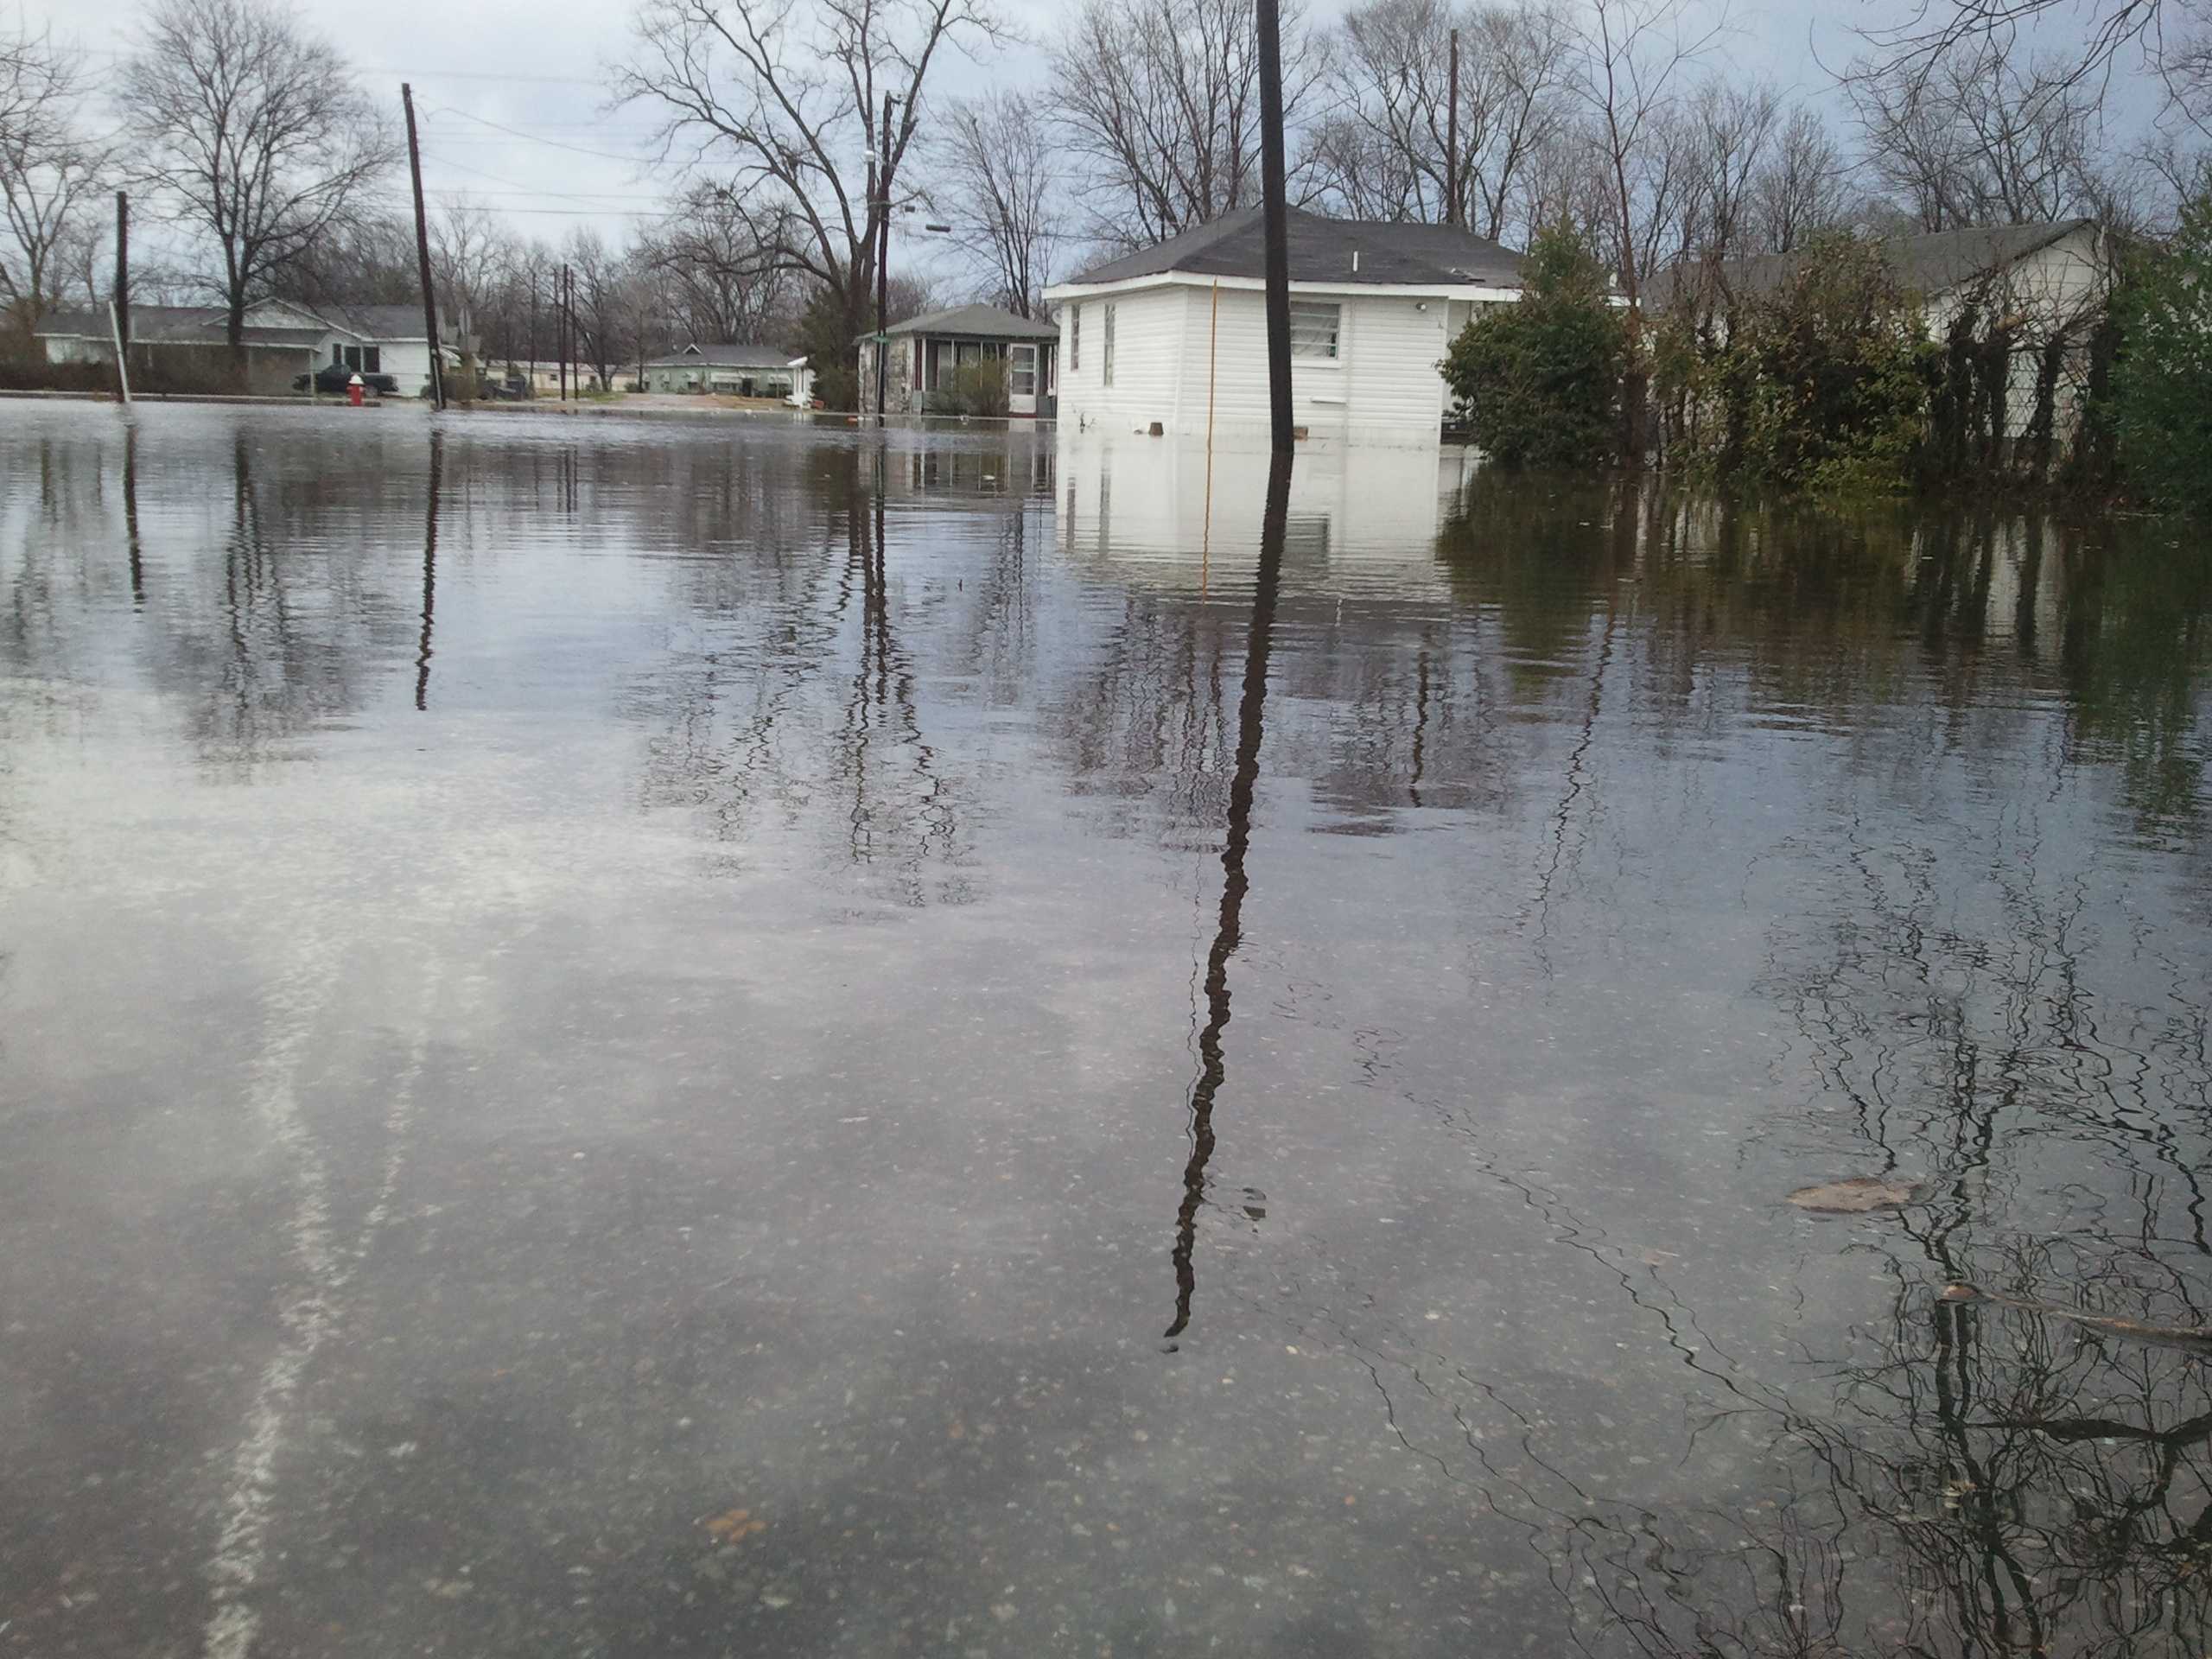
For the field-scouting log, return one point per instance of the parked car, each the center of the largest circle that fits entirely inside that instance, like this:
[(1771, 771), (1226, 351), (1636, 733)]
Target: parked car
[(332, 379)]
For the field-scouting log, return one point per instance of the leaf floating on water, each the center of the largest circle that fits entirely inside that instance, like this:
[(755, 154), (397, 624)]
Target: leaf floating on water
[(734, 1525), (1856, 1196)]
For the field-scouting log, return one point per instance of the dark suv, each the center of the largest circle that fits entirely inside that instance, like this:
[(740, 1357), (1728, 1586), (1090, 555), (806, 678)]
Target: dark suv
[(332, 379)]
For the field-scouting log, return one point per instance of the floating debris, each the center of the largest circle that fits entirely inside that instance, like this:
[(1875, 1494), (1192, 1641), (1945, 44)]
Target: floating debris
[(1856, 1196)]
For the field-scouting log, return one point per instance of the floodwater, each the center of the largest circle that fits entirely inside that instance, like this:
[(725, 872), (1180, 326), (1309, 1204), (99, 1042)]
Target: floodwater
[(652, 1038)]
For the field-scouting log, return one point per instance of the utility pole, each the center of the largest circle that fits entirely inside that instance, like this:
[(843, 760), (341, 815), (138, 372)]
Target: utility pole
[(422, 251), (561, 326), (883, 277), (1276, 216), (123, 267), (532, 377), (1451, 141)]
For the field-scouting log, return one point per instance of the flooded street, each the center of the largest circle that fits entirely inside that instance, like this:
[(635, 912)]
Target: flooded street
[(649, 1037)]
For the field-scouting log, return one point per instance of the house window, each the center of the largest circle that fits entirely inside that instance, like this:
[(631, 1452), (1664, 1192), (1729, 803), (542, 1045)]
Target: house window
[(354, 357), (1314, 328), (337, 356), (1106, 360), (1075, 339), (918, 362), (372, 358)]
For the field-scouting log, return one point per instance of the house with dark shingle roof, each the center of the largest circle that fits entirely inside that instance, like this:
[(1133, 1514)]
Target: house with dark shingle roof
[(734, 370), (1176, 335), (924, 353), (284, 339)]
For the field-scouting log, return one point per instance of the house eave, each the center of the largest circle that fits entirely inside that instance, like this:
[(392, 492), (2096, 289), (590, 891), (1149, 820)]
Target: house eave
[(1348, 287)]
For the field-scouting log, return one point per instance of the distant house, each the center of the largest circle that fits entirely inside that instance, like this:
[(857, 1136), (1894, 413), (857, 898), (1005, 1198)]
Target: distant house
[(284, 339), (732, 371), (1177, 334), (926, 351), (2043, 285)]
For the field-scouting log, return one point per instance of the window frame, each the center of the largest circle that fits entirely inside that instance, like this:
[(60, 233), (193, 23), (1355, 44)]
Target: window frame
[(1106, 351), (1075, 339), (1334, 357)]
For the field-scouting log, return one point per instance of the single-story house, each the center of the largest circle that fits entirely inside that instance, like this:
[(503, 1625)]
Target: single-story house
[(2047, 284), (1176, 335), (391, 340), (284, 339), (925, 353), (734, 371)]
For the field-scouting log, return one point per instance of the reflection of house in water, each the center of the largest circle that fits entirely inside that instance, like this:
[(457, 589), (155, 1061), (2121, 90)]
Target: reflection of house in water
[(1021, 466), (1166, 510)]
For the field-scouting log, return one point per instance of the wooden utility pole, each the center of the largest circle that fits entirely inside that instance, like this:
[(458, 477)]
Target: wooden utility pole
[(422, 251), (1452, 140), (883, 275), (561, 326), (1275, 214), (122, 266)]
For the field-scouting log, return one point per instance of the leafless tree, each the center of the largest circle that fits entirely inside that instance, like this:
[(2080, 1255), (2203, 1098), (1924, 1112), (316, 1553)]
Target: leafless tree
[(719, 258), (1382, 146), (785, 98), (1803, 187), (49, 171), (603, 308), (1633, 54), (1986, 134), (1160, 99), (1730, 131), (365, 258), (1003, 194), (253, 132), (467, 255), (2172, 38)]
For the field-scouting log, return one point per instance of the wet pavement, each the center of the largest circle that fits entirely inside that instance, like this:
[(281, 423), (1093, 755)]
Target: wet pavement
[(643, 1037)]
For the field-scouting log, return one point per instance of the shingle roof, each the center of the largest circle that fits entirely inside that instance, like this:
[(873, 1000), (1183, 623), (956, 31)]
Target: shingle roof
[(148, 322), (1929, 263), (725, 357), (985, 322), (1321, 251)]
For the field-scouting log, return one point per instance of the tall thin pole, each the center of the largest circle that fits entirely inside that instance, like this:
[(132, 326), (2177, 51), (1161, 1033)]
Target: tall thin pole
[(1276, 216), (561, 326), (422, 250), (1452, 140), (123, 268), (883, 274)]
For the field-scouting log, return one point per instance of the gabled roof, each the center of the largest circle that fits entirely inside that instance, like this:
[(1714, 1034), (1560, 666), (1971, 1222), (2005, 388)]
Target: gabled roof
[(1322, 249), (725, 357), (983, 321), (1931, 262)]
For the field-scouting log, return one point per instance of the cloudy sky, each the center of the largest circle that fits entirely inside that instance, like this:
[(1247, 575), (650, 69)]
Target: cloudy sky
[(512, 96)]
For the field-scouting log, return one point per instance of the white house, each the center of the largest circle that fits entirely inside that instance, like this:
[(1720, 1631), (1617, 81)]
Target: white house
[(1176, 335), (284, 339), (736, 371)]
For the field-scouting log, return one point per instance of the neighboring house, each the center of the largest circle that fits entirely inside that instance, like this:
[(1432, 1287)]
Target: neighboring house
[(1176, 335), (926, 351), (2043, 285), (390, 340), (189, 343), (283, 339), (730, 370)]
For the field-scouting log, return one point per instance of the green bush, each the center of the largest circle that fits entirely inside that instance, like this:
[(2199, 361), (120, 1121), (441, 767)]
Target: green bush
[(1822, 384), (2162, 381), (1539, 382), (975, 389)]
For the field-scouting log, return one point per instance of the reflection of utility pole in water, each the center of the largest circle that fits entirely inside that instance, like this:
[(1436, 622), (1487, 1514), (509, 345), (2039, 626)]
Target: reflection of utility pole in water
[(430, 571), (130, 514), (1229, 931)]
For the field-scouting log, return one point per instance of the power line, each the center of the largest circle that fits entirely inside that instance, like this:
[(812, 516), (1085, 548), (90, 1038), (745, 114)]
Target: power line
[(550, 143)]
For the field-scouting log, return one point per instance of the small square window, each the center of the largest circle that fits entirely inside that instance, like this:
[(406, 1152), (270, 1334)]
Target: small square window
[(1314, 328)]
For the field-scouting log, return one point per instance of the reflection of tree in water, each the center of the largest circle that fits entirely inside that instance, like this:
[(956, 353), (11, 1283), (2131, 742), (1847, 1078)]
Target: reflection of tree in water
[(754, 727)]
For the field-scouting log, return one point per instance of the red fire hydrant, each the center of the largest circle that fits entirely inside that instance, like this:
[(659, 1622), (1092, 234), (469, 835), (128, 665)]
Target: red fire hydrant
[(353, 391)]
